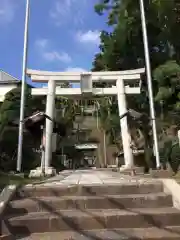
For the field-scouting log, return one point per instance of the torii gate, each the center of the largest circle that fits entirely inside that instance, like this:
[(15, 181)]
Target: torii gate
[(125, 82)]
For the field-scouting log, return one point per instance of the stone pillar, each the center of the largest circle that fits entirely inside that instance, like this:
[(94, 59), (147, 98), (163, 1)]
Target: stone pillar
[(50, 107), (43, 150), (179, 136), (117, 162), (126, 138)]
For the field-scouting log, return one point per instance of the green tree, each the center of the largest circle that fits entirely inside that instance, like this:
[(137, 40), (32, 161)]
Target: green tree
[(122, 47), (10, 108), (9, 114), (168, 80)]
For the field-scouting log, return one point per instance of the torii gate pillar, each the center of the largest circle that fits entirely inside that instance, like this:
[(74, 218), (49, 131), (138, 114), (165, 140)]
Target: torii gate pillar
[(50, 107), (125, 135)]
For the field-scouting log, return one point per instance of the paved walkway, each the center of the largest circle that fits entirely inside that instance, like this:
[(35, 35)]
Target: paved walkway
[(89, 177)]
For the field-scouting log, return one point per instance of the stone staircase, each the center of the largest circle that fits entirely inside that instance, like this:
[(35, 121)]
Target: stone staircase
[(97, 212)]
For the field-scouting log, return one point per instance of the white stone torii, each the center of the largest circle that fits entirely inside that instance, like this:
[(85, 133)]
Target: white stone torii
[(123, 80)]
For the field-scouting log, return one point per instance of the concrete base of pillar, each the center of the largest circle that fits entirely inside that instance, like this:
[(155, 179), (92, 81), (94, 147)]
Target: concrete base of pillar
[(36, 173), (130, 170), (125, 167), (112, 166)]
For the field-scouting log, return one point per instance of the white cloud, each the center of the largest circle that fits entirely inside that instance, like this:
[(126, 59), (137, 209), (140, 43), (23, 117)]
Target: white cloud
[(89, 37), (42, 43), (52, 56), (48, 53), (64, 11), (7, 11), (75, 69)]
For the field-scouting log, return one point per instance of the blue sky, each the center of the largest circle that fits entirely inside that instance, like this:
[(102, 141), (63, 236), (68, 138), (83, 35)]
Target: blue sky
[(63, 35)]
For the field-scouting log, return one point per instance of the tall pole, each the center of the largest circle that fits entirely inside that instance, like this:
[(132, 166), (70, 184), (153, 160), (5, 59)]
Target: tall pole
[(20, 139), (149, 80)]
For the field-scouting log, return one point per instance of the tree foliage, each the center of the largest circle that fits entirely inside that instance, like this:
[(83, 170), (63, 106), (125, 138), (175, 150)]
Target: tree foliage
[(122, 47), (9, 114), (10, 108)]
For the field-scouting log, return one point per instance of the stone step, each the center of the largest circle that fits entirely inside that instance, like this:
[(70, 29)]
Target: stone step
[(74, 220), (90, 190), (48, 204), (154, 233)]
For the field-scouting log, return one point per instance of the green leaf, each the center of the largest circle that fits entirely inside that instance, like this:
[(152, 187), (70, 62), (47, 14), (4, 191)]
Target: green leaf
[(163, 94)]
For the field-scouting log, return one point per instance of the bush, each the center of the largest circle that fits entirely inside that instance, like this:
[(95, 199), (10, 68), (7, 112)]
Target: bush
[(175, 158), (170, 153)]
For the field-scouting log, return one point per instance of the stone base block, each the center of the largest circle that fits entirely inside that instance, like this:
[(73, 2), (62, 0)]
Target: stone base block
[(131, 170), (161, 173), (112, 166), (36, 173)]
